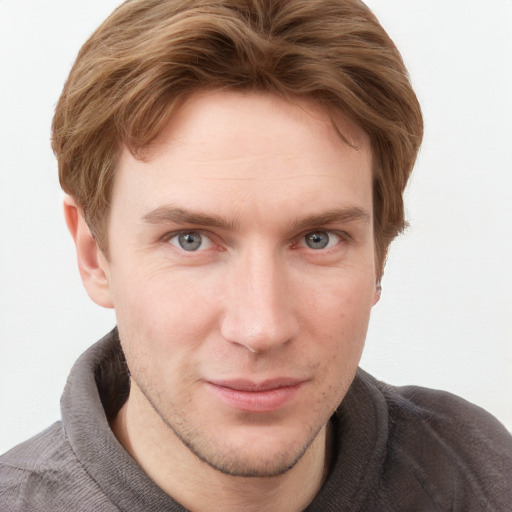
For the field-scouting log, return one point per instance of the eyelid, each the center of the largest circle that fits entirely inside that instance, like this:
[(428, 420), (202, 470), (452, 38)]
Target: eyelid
[(342, 236), (174, 234)]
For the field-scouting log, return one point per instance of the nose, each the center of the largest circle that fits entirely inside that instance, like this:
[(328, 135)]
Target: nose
[(259, 311)]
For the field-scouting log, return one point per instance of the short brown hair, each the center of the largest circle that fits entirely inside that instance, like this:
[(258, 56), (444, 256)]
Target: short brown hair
[(132, 73)]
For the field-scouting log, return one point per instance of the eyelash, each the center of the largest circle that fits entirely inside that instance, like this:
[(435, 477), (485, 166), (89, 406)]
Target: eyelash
[(176, 234), (342, 237)]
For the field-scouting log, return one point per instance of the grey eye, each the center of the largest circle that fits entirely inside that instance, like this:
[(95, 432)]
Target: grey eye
[(317, 239), (190, 241)]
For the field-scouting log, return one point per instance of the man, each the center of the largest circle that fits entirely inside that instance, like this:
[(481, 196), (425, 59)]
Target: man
[(234, 173)]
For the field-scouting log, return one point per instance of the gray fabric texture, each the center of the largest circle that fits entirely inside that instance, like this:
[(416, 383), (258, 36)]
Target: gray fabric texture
[(396, 449)]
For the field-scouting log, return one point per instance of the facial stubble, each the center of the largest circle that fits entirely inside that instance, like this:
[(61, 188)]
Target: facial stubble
[(230, 463)]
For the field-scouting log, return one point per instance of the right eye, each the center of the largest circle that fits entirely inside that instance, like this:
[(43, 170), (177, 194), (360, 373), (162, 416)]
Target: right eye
[(190, 241)]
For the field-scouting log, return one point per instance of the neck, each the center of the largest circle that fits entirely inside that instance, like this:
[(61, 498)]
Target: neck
[(199, 487)]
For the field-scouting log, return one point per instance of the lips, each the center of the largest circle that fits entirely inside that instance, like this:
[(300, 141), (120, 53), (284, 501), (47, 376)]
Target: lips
[(249, 396)]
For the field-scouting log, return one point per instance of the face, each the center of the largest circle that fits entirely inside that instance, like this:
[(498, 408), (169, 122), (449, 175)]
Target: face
[(242, 273)]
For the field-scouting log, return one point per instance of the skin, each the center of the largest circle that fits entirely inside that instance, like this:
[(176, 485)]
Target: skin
[(250, 177)]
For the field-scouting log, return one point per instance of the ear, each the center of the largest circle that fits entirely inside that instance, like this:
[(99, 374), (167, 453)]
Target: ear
[(92, 263), (377, 293)]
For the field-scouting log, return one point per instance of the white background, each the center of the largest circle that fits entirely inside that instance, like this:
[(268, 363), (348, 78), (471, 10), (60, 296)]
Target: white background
[(445, 317)]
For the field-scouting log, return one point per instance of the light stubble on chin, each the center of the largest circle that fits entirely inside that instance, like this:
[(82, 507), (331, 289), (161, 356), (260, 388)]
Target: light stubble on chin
[(230, 462)]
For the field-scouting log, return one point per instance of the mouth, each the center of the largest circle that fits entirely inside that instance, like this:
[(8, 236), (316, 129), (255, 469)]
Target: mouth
[(249, 396)]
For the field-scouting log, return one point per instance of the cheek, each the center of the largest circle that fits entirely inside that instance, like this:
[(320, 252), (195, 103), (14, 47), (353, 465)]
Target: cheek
[(341, 303), (161, 312), (338, 322), (162, 325)]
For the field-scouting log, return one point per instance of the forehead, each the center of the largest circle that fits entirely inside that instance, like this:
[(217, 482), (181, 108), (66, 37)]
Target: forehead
[(251, 115), (248, 147)]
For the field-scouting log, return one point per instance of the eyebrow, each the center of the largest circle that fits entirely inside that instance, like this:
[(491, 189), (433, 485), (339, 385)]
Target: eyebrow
[(337, 215), (171, 214), (168, 214)]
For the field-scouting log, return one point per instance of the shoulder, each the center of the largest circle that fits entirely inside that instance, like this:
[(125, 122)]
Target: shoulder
[(42, 473), (459, 453), (454, 423)]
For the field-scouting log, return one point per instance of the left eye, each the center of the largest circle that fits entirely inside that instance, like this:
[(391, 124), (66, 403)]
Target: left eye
[(191, 241), (321, 240)]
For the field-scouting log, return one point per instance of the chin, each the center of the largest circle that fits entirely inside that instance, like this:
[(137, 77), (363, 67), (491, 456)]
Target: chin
[(252, 463), (254, 451)]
